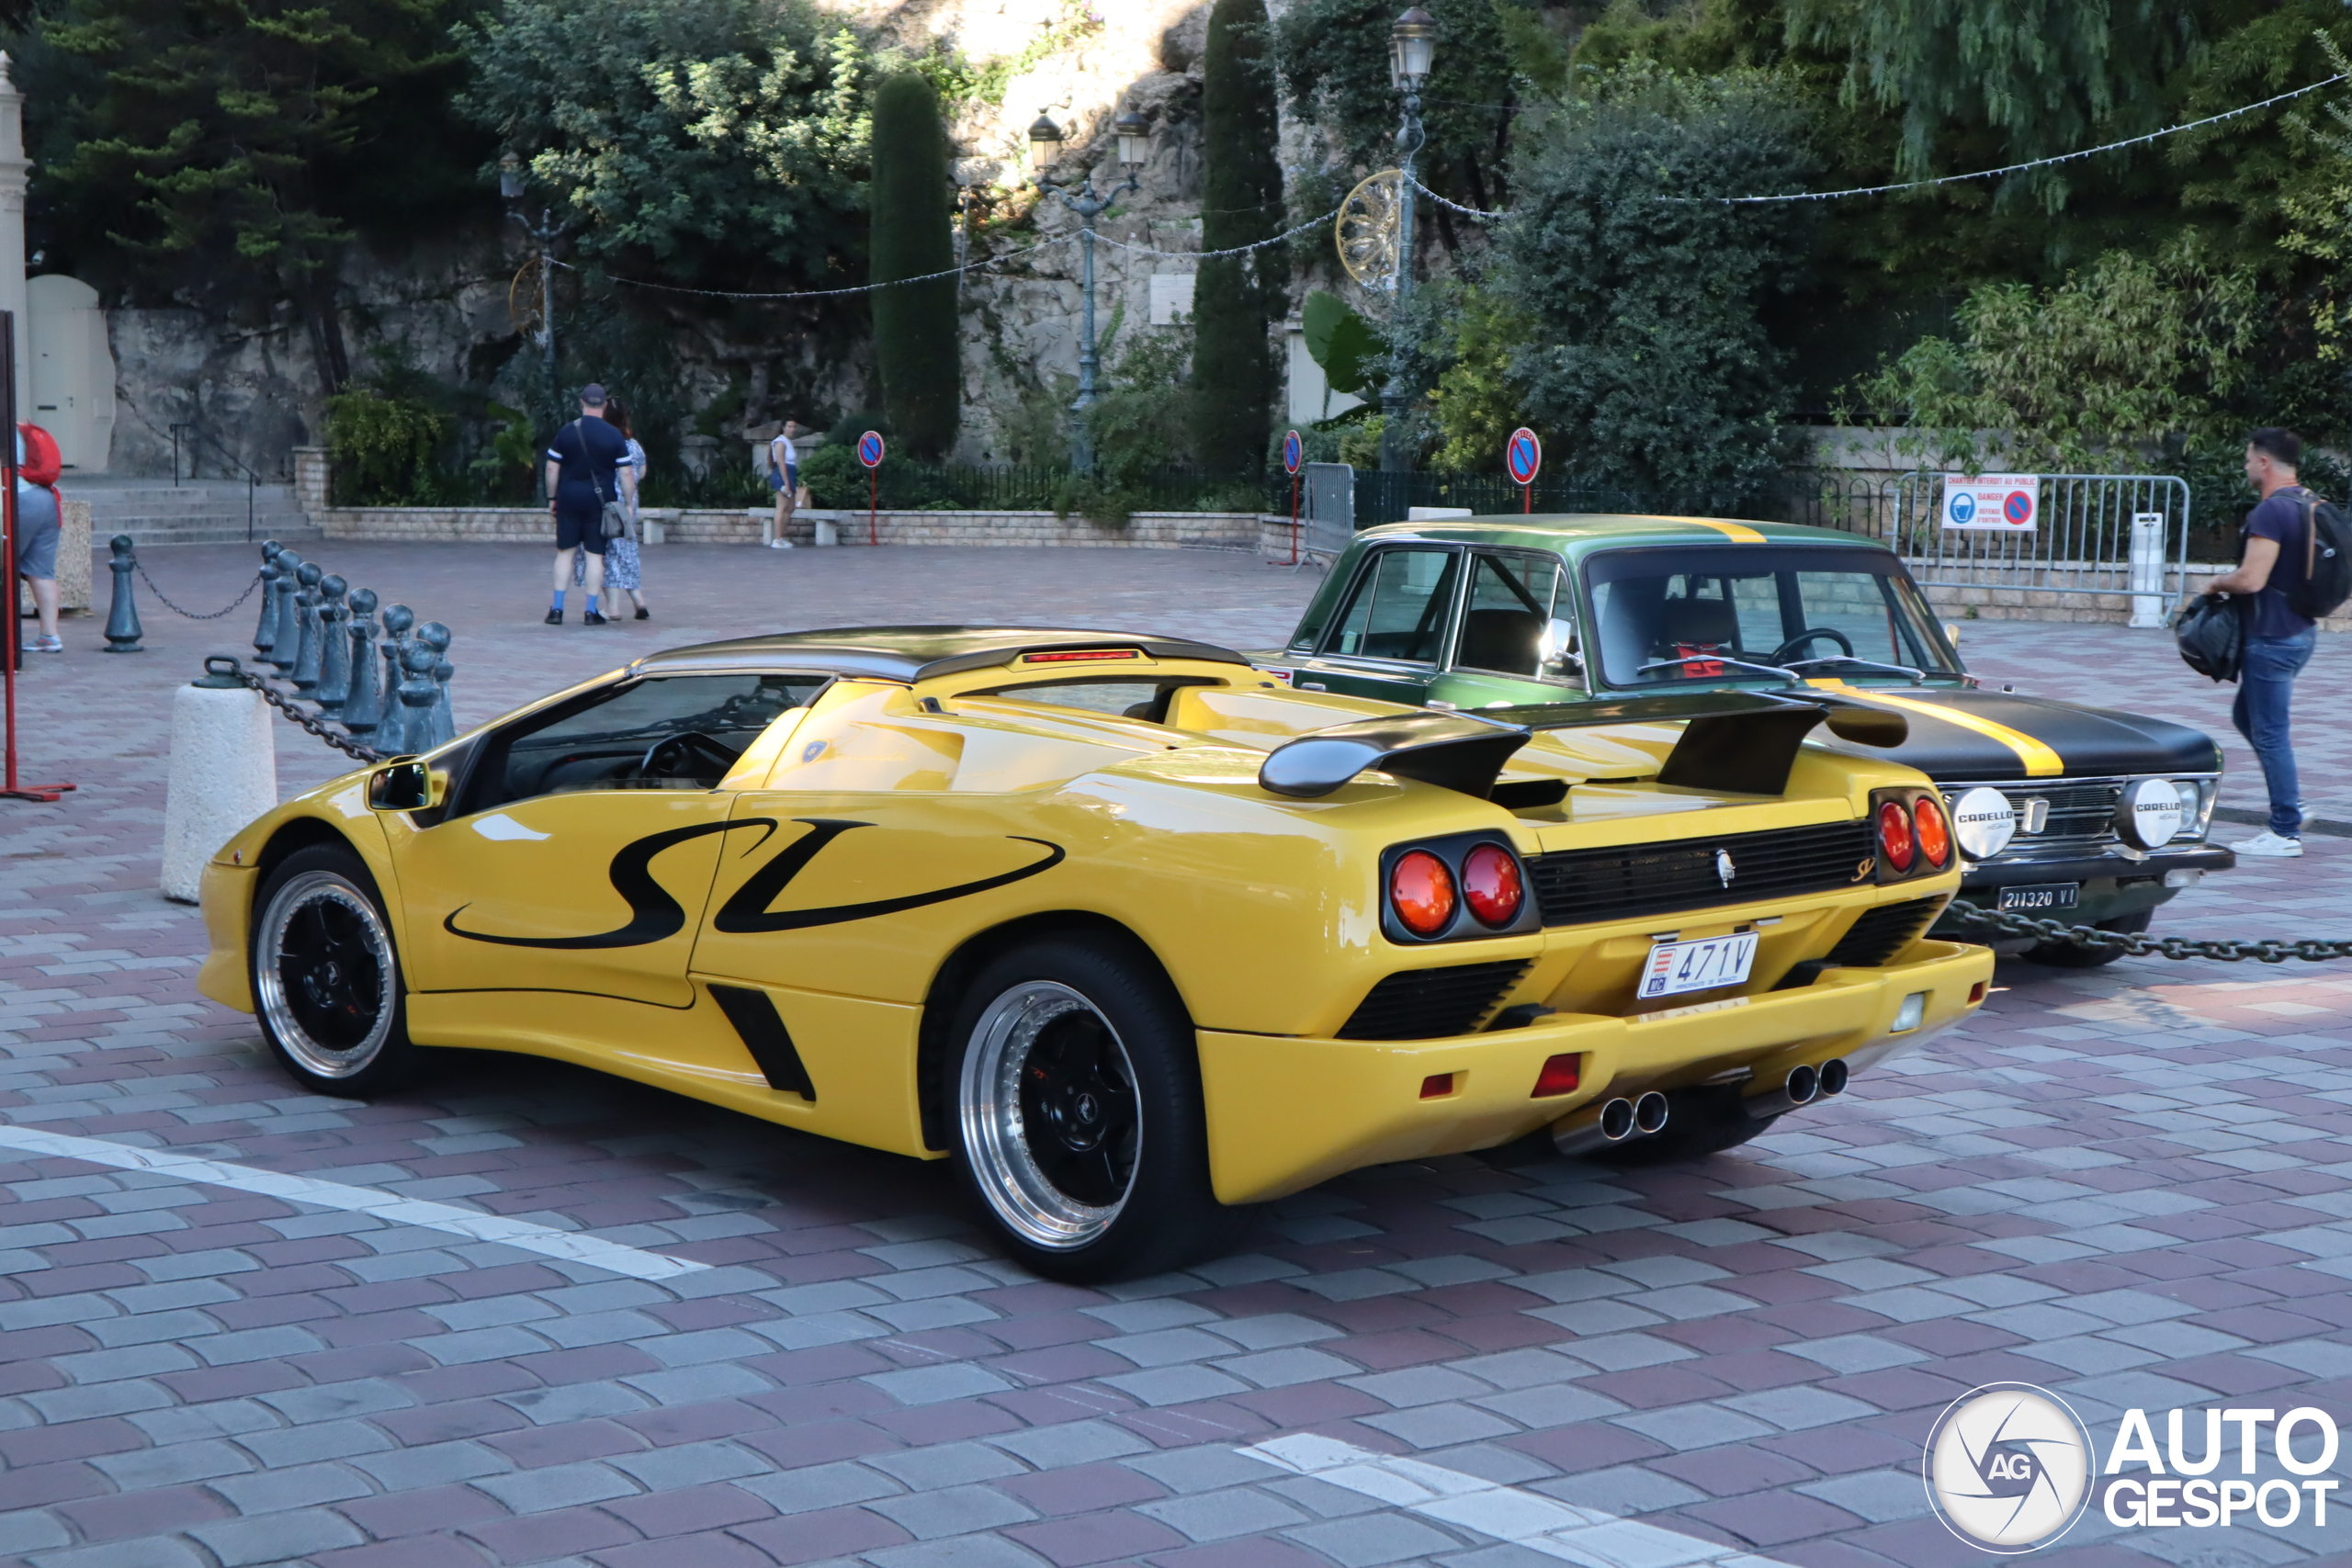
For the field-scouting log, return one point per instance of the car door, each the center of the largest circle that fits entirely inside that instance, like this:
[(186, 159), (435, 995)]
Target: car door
[(1516, 640), (577, 849), (1391, 634)]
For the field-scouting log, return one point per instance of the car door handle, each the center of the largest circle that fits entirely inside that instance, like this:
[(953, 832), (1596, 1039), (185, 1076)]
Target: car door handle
[(1312, 686)]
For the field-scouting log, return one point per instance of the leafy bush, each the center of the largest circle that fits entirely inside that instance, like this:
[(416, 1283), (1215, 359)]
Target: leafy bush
[(1645, 346), (380, 448), (1236, 298), (915, 345)]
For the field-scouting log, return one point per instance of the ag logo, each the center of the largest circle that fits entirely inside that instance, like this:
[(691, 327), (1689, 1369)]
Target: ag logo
[(2008, 1467)]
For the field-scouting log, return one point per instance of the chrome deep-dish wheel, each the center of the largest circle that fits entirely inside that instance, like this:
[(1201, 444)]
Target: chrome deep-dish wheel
[(325, 975), (1073, 1095), (1051, 1115)]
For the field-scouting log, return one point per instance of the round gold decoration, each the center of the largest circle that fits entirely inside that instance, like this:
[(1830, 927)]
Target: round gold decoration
[(523, 298), (1366, 229)]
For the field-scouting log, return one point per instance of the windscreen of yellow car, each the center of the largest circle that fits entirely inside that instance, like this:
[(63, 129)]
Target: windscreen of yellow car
[(1675, 614)]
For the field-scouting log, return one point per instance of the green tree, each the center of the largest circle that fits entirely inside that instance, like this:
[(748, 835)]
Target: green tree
[(2122, 359), (915, 343), (1643, 350), (721, 142), (1237, 297), (228, 152)]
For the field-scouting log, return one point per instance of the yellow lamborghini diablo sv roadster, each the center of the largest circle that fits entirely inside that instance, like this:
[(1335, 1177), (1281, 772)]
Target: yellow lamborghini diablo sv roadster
[(1132, 934)]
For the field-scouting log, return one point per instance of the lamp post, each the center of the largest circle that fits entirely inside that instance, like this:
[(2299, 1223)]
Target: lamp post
[(512, 181), (1412, 45), (1046, 149)]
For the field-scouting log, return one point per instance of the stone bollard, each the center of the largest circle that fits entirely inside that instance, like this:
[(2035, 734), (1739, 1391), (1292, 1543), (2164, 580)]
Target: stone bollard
[(265, 633), (223, 775), (444, 729), (308, 647), (416, 694), (334, 647), (285, 631), (363, 707), (122, 613)]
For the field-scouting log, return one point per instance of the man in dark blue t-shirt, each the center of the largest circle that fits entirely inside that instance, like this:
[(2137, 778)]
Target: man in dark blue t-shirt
[(2279, 642), (583, 462)]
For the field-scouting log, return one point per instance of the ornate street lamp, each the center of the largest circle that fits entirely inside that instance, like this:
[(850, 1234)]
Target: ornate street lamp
[(1046, 148), (1412, 49), (514, 182)]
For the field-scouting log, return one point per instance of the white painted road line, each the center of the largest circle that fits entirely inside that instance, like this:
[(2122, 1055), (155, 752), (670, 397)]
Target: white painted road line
[(1585, 1536), (393, 1209)]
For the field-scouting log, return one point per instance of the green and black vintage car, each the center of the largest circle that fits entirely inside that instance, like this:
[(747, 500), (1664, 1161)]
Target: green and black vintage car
[(2082, 814)]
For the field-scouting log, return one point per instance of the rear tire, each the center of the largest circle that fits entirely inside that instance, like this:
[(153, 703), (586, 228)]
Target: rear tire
[(2075, 955), (1076, 1115), (326, 976)]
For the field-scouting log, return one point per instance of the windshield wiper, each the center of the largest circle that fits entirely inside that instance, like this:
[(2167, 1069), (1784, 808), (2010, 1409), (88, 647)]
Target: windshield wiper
[(1720, 658), (1917, 675)]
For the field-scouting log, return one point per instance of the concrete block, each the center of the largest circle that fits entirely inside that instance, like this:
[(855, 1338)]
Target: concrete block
[(223, 775)]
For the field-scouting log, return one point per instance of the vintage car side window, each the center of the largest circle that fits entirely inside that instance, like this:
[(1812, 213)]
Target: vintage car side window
[(677, 732), (1512, 599), (1399, 608)]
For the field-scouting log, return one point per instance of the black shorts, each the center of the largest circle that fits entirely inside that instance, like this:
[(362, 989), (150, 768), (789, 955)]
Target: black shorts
[(575, 528)]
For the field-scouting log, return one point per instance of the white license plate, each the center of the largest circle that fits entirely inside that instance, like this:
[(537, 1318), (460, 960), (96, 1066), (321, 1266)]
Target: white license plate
[(1699, 966), (2042, 895)]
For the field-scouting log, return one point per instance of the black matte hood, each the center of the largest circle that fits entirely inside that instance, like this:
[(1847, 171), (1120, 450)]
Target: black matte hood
[(1970, 735)]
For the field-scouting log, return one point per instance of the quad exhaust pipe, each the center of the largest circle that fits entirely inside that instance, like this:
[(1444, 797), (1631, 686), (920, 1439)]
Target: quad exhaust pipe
[(1609, 1122), (1805, 1084)]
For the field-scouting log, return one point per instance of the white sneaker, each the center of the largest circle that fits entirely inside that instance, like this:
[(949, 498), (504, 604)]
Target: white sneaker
[(2269, 844), (779, 544)]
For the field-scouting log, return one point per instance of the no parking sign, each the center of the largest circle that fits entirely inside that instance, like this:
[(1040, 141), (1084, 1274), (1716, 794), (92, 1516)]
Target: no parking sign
[(2004, 503), (1294, 452), (869, 448)]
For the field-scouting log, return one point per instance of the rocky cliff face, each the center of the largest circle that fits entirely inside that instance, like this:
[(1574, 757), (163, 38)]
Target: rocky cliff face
[(443, 304)]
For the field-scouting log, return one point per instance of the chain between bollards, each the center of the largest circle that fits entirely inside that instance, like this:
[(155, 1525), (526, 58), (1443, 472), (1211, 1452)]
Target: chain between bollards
[(2138, 944)]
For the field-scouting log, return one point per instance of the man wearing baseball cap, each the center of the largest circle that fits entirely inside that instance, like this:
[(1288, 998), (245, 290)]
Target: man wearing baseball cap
[(584, 463)]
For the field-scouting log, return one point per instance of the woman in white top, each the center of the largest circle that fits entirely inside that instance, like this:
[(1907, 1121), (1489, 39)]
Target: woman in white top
[(623, 571)]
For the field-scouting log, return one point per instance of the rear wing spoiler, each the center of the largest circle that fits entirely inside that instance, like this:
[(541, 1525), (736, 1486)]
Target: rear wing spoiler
[(1737, 742)]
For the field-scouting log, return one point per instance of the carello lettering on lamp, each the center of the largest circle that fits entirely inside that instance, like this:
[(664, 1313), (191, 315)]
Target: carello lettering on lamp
[(2169, 1496)]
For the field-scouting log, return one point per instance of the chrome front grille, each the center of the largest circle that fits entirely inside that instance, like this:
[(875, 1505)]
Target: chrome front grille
[(2080, 818)]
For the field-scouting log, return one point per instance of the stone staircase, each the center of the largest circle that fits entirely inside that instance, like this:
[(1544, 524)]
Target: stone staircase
[(194, 512)]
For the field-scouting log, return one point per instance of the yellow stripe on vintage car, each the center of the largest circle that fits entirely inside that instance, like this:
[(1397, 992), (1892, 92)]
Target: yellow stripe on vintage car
[(1738, 532), (2041, 762)]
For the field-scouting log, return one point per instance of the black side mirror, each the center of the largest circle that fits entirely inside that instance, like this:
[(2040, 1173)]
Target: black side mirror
[(404, 786)]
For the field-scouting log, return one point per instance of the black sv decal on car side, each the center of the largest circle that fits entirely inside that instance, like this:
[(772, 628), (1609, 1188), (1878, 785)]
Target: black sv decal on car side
[(653, 914), (747, 912)]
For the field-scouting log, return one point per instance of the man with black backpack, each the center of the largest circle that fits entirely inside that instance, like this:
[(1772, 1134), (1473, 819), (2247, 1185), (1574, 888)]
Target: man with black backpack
[(2294, 567)]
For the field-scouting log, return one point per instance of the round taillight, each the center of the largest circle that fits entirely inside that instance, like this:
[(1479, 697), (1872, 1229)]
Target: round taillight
[(1934, 832), (1422, 892), (1491, 885), (1894, 835)]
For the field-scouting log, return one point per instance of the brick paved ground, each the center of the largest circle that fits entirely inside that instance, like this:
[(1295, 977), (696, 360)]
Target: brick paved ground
[(2131, 1186)]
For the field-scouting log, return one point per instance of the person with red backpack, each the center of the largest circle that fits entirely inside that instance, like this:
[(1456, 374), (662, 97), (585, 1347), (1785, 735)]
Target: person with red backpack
[(38, 512), (2292, 562)]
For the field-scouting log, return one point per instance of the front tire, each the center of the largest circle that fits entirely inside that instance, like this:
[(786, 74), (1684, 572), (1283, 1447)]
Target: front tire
[(326, 976), (1077, 1117), (2075, 955)]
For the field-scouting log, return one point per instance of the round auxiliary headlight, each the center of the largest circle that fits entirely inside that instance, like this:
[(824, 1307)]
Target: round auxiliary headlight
[(1983, 820), (2151, 813)]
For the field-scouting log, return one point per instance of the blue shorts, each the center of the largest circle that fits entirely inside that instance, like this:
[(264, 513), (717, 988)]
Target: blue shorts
[(580, 526), (36, 531)]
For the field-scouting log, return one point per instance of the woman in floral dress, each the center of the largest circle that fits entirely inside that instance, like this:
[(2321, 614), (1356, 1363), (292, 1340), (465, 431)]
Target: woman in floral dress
[(624, 573)]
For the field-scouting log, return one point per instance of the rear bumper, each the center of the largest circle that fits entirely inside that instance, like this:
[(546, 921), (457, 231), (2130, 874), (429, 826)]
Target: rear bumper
[(1287, 1112)]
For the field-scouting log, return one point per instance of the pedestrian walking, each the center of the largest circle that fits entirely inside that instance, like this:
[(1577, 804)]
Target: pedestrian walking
[(2278, 641), (623, 571), (583, 467), (37, 528), (783, 478)]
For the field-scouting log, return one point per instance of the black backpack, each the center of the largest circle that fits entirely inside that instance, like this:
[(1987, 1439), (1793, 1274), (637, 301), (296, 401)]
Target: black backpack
[(2326, 580), (2211, 635)]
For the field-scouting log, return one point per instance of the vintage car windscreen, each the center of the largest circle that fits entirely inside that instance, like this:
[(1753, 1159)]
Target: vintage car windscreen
[(1659, 613)]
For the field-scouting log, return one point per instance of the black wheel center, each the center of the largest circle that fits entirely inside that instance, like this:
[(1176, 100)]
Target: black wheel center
[(331, 974), (1081, 1110)]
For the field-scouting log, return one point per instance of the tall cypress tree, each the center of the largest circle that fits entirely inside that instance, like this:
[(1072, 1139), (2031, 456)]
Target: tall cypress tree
[(915, 341), (1235, 299)]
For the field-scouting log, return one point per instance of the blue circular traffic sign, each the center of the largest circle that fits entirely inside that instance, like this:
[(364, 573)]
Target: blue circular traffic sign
[(869, 448), (1294, 452), (2018, 508), (1523, 456)]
